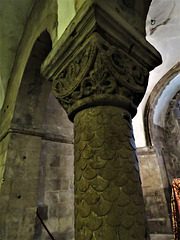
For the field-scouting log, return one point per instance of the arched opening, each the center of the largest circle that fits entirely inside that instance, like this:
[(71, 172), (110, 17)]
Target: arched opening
[(46, 138), (162, 129), (170, 78), (161, 119), (34, 89)]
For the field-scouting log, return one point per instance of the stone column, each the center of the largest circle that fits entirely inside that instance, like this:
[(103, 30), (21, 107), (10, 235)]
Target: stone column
[(100, 73), (108, 197)]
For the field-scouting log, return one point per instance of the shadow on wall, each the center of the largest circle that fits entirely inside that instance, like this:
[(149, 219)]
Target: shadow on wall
[(39, 114), (48, 154)]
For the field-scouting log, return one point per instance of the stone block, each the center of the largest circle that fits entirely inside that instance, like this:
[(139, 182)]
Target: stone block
[(66, 209), (56, 120), (16, 202), (3, 203), (65, 196), (161, 237), (14, 171), (52, 224), (25, 142), (64, 173), (6, 186), (53, 160), (56, 147), (67, 162), (2, 225), (26, 231), (52, 197), (159, 225), (29, 215), (61, 210), (66, 223), (52, 172), (54, 211), (64, 184), (53, 184), (67, 235), (30, 199), (12, 227), (23, 200), (24, 185), (32, 172)]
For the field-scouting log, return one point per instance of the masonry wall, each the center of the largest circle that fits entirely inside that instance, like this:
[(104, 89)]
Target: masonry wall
[(158, 215), (56, 175), (20, 186), (36, 159), (38, 176)]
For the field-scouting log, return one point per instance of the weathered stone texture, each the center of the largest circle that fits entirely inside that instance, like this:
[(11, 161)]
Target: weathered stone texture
[(43, 16), (108, 196), (56, 122), (18, 194), (172, 138), (55, 187), (153, 191), (3, 153), (40, 136), (161, 237), (38, 173), (56, 174)]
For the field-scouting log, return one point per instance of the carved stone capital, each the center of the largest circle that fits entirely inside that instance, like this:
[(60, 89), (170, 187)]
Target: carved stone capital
[(100, 74), (100, 60)]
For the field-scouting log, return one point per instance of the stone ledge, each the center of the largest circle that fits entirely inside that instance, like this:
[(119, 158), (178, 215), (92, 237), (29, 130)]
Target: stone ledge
[(161, 237)]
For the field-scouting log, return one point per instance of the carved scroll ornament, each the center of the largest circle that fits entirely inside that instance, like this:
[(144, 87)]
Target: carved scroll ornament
[(100, 70)]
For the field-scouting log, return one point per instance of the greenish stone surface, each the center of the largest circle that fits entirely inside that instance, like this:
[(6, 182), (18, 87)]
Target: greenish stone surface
[(108, 196)]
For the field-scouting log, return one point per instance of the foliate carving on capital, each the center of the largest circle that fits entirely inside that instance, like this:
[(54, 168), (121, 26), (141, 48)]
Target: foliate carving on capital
[(100, 68)]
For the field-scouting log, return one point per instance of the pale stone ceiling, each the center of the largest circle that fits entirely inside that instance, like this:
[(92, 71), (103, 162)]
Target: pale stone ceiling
[(163, 32)]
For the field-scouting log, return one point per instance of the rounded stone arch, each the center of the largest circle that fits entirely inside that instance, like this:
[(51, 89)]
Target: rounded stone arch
[(153, 100), (22, 161), (34, 89), (44, 134), (39, 161), (162, 129), (45, 139), (43, 17), (27, 119)]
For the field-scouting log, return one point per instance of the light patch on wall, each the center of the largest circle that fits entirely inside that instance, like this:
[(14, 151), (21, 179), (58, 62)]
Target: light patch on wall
[(1, 93), (78, 4), (165, 39), (66, 12), (160, 13), (163, 102), (13, 17)]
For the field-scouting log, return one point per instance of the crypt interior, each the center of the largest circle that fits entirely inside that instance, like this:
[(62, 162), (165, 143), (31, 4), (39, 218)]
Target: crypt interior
[(79, 81)]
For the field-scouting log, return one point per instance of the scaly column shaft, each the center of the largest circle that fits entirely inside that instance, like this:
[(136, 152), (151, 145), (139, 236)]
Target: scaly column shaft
[(108, 197)]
